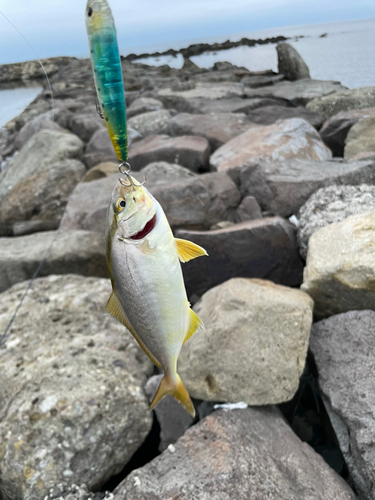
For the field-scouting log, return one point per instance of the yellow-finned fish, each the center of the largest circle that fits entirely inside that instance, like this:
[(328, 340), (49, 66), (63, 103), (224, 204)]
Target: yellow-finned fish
[(149, 295)]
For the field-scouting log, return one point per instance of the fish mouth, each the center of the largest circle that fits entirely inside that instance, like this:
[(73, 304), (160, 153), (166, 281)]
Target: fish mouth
[(146, 230)]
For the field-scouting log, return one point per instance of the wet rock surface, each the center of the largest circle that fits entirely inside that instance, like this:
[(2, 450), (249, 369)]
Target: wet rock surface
[(228, 451), (73, 407)]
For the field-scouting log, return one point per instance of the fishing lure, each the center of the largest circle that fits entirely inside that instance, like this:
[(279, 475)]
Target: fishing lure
[(106, 65)]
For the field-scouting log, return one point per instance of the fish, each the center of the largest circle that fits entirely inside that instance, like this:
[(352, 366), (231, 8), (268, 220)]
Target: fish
[(106, 65), (148, 292)]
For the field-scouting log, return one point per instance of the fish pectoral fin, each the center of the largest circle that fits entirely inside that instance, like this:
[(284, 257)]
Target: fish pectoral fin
[(115, 309), (194, 325), (187, 250), (177, 390)]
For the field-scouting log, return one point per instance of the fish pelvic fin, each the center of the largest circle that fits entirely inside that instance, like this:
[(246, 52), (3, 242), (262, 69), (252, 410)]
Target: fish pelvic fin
[(115, 309), (177, 389), (188, 250), (194, 326)]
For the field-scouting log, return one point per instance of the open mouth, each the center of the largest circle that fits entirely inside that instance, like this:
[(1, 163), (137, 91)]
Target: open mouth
[(146, 230)]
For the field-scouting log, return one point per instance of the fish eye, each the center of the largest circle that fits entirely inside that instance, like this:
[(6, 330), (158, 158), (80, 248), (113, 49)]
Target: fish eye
[(120, 204), (89, 12)]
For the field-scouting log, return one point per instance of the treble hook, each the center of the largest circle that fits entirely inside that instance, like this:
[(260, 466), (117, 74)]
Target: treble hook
[(125, 169)]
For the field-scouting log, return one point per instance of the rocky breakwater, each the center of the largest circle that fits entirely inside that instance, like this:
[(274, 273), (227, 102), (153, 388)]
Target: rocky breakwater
[(230, 155)]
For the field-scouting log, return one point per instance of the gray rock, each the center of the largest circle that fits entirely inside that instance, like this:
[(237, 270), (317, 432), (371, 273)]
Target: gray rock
[(143, 105), (79, 252), (342, 347), (270, 114), (152, 122), (104, 169), (299, 93), (216, 128), (336, 128), (255, 81), (284, 140), (329, 205), (340, 266), (73, 408), (172, 417), (204, 90), (248, 209), (282, 187), (34, 226), (161, 172), (343, 100), (261, 248), (360, 138), (85, 125), (290, 63), (247, 454), (75, 492), (189, 151), (244, 319), (41, 122), (232, 105)]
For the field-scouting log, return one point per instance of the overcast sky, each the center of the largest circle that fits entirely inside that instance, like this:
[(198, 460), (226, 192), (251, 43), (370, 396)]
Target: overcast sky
[(57, 27)]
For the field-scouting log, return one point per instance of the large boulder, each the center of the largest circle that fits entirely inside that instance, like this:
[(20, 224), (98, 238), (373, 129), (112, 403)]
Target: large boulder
[(261, 248), (217, 128), (230, 105), (298, 93), (343, 100), (342, 347), (282, 187), (336, 128), (249, 454), (79, 252), (143, 105), (152, 122), (85, 125), (189, 151), (284, 140), (254, 343), (290, 63), (360, 139), (267, 115), (340, 267), (332, 204), (41, 122), (73, 408)]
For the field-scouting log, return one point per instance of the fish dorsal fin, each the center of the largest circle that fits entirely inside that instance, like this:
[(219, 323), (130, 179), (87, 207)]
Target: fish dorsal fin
[(187, 250), (115, 309), (195, 324)]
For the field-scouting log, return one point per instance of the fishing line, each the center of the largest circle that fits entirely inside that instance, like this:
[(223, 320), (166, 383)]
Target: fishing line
[(4, 336)]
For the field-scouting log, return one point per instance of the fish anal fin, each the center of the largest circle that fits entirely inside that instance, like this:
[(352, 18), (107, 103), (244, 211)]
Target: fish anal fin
[(177, 390), (187, 250), (115, 309), (194, 325)]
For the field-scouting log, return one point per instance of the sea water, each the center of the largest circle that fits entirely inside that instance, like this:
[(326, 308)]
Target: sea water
[(14, 100)]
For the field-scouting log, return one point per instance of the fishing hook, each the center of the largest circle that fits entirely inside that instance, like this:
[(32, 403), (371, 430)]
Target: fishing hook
[(125, 169), (98, 110)]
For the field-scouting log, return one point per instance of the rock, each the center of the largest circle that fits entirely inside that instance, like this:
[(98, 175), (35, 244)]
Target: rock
[(336, 128), (247, 454), (332, 204), (28, 70), (342, 347), (153, 122), (244, 321), (189, 66), (161, 172), (299, 93), (188, 151), (290, 63), (79, 252), (34, 226), (203, 90), (44, 121), (248, 209), (216, 128), (172, 417), (343, 100), (74, 492), (232, 105), (102, 170), (270, 114), (360, 138), (284, 140), (143, 105), (255, 81), (100, 149), (198, 202), (340, 266), (85, 125), (261, 248), (282, 187), (73, 408)]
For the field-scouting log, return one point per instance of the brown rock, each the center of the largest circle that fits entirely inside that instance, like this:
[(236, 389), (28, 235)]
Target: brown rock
[(104, 169), (188, 151), (262, 248), (248, 210)]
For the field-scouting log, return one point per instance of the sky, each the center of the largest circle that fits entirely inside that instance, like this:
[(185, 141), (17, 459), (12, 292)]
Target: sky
[(57, 27)]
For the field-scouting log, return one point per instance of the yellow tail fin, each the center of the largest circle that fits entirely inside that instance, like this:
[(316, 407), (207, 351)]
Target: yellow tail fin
[(178, 391)]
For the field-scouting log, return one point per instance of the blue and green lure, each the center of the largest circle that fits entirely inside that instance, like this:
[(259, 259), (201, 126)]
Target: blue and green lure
[(106, 65)]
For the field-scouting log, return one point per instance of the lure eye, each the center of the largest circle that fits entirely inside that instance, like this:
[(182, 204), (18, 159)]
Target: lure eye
[(120, 204), (89, 12)]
